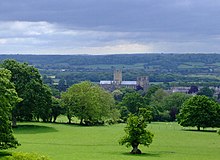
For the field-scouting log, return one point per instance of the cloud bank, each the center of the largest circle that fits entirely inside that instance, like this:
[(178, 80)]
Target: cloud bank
[(108, 27)]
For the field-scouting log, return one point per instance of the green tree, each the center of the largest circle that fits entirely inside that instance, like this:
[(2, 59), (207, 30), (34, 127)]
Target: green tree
[(199, 111), (157, 99), (206, 91), (30, 88), (156, 102), (173, 103), (151, 90), (41, 101), (136, 132), (133, 101), (88, 102), (8, 99), (117, 95), (56, 109)]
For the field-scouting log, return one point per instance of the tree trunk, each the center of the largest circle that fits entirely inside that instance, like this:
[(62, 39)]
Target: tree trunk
[(135, 149), (198, 128), (69, 120), (81, 121)]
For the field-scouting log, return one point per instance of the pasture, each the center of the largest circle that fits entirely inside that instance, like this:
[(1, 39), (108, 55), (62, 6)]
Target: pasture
[(72, 142)]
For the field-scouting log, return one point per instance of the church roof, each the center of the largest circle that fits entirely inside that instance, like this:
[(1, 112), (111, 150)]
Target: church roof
[(105, 82), (122, 83), (128, 83)]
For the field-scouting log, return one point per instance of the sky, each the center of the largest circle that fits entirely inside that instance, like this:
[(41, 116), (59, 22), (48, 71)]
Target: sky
[(109, 26)]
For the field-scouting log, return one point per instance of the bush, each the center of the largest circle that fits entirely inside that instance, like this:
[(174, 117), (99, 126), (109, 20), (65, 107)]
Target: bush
[(219, 132), (27, 156)]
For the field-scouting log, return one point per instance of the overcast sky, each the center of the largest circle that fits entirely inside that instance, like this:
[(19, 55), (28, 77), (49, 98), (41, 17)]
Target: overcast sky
[(109, 26)]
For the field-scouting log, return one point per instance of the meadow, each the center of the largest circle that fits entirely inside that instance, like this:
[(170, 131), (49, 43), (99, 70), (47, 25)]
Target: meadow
[(73, 142)]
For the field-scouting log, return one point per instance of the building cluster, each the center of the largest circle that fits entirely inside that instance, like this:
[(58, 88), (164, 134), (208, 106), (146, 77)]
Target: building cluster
[(117, 82), (186, 90)]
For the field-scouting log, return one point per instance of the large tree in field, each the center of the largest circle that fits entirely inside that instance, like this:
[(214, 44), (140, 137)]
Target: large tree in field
[(8, 99), (88, 102), (200, 111), (136, 132), (30, 88)]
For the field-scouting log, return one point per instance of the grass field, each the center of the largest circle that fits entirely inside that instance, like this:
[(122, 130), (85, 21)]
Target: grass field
[(71, 142)]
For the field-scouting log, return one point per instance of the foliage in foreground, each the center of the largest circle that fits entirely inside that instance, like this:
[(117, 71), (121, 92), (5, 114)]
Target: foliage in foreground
[(27, 156), (8, 99), (200, 111), (136, 132)]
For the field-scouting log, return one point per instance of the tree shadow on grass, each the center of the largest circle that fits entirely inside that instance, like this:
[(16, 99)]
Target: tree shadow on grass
[(150, 154), (142, 155), (33, 129), (202, 130), (4, 154)]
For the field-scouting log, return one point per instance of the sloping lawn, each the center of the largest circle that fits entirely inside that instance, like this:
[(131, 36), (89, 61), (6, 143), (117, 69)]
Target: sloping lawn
[(72, 142)]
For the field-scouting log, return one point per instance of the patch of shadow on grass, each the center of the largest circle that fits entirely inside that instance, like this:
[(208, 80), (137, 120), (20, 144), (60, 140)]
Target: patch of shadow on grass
[(5, 153), (143, 154), (68, 144), (33, 129), (150, 154), (203, 130), (82, 125)]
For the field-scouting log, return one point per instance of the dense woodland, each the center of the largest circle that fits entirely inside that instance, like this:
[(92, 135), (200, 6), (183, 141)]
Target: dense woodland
[(171, 69)]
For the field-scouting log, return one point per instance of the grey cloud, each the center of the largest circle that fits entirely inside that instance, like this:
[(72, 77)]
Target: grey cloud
[(167, 25), (119, 15)]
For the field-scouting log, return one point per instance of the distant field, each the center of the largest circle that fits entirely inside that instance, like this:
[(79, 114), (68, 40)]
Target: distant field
[(108, 66), (204, 76), (71, 142)]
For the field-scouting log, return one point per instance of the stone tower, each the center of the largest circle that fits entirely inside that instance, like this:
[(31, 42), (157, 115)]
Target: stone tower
[(117, 77), (143, 82)]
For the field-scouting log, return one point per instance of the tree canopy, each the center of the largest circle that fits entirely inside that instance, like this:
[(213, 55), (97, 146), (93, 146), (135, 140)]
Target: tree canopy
[(56, 109), (29, 86), (133, 101), (88, 102), (206, 91), (199, 111), (173, 103), (8, 99)]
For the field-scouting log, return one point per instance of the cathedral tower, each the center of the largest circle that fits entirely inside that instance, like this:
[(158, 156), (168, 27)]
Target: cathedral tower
[(117, 77)]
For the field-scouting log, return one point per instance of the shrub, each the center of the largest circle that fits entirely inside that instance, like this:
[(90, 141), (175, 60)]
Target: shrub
[(27, 156)]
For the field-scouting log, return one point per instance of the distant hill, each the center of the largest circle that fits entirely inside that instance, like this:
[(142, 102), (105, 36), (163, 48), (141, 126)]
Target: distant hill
[(159, 67), (116, 59)]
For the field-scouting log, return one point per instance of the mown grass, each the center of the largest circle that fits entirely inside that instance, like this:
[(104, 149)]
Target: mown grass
[(72, 142)]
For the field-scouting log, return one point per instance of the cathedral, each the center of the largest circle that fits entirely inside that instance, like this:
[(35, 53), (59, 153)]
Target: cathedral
[(117, 82)]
